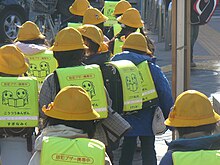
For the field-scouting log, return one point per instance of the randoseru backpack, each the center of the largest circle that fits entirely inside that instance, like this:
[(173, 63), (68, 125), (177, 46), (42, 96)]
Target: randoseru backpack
[(125, 98), (202, 11), (112, 81), (78, 151)]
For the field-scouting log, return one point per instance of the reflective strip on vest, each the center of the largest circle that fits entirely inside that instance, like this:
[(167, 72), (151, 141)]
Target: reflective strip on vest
[(202, 157), (19, 102), (19, 118), (90, 78), (118, 46), (109, 8), (148, 88), (74, 25), (116, 28), (79, 151), (41, 65), (131, 84)]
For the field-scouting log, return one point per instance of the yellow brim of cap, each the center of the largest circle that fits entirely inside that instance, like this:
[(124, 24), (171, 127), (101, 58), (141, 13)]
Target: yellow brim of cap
[(18, 71), (175, 122), (67, 47), (41, 36), (58, 114)]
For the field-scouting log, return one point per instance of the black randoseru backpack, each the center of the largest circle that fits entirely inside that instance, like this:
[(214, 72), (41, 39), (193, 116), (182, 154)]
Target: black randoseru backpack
[(113, 84), (202, 11)]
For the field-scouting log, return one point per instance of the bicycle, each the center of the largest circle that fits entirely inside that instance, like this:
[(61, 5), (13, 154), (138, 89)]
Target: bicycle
[(48, 25)]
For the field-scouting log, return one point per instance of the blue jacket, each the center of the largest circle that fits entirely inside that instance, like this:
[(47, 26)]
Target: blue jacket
[(194, 144), (141, 121)]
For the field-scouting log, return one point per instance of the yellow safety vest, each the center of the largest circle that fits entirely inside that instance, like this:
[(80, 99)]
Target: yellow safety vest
[(79, 151), (116, 28), (19, 102), (74, 25), (109, 8), (90, 78), (149, 93), (201, 157), (41, 65), (118, 43), (131, 84)]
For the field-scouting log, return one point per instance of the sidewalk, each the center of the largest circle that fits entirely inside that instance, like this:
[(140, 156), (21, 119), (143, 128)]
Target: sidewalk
[(205, 77)]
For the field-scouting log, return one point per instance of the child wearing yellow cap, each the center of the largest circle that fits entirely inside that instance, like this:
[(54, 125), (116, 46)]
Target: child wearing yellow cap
[(35, 48), (119, 9), (30, 40), (78, 9), (194, 120), (130, 22), (94, 17), (97, 52), (14, 147), (70, 115), (29, 36), (69, 50), (136, 50)]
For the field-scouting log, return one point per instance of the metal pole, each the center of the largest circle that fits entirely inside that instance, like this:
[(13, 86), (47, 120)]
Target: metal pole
[(167, 34), (174, 58), (149, 13), (174, 54), (188, 45), (180, 45), (155, 12), (159, 20), (143, 9), (181, 48), (163, 18)]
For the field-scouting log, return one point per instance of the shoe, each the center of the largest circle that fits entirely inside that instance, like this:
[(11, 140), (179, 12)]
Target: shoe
[(193, 64)]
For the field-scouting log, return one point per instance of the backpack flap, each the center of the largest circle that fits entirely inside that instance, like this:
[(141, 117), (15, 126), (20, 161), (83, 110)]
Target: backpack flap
[(64, 151), (130, 82), (90, 78), (19, 102)]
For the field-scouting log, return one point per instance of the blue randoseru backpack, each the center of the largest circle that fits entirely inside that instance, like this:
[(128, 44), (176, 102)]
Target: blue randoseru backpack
[(202, 11)]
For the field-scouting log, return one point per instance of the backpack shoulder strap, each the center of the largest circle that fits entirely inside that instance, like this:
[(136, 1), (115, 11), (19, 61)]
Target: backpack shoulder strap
[(56, 82)]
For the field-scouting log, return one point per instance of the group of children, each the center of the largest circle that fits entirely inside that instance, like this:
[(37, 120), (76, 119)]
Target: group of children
[(69, 111)]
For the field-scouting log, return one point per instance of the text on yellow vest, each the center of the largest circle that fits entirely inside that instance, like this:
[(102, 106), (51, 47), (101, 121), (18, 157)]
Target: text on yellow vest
[(90, 78), (63, 151)]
